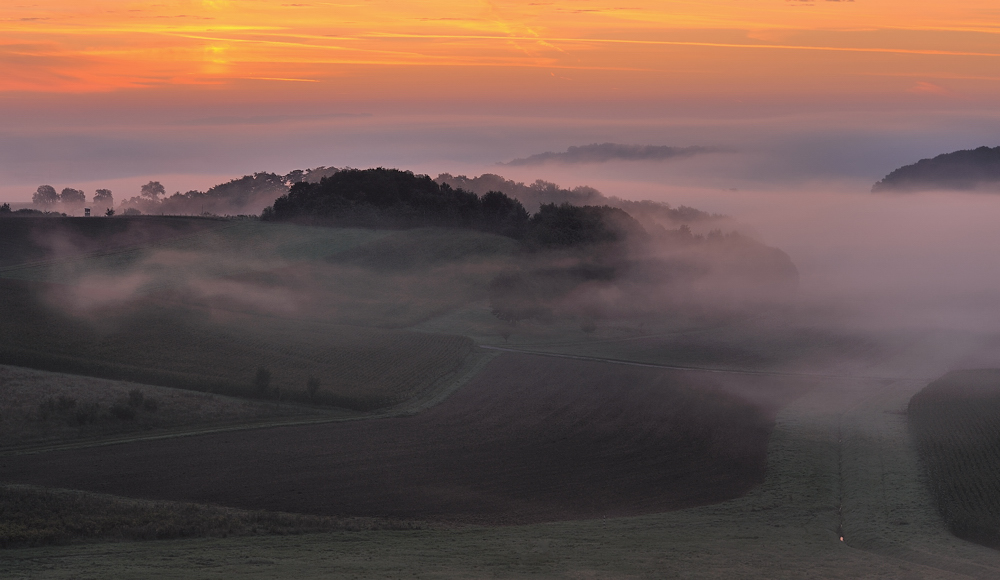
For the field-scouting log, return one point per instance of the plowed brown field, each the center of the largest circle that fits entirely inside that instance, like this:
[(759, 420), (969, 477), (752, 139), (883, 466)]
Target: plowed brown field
[(530, 439)]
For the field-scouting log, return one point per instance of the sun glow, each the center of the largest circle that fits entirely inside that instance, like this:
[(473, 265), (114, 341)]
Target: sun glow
[(640, 49)]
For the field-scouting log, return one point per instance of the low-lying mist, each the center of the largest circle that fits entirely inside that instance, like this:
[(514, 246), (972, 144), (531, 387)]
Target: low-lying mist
[(916, 270)]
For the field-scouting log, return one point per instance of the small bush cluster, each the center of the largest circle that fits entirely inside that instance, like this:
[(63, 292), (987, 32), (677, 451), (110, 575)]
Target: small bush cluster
[(76, 413)]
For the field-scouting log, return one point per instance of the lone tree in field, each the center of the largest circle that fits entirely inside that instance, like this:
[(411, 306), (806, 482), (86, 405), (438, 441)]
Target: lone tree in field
[(262, 381), (45, 196)]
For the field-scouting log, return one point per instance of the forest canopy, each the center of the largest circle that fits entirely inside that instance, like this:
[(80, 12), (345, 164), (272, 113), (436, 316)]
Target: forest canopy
[(959, 170), (391, 198)]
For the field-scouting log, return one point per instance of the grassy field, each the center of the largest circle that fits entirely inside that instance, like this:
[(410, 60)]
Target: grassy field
[(207, 309), (339, 275), (956, 422), (766, 341), (359, 368), (29, 240), (396, 281), (39, 407), (31, 516)]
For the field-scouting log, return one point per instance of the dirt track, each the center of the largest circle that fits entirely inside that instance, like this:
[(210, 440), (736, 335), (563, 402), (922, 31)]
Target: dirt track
[(530, 439)]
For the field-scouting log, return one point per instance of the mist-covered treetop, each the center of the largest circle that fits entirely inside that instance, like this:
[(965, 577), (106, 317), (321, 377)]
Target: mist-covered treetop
[(959, 170), (534, 195)]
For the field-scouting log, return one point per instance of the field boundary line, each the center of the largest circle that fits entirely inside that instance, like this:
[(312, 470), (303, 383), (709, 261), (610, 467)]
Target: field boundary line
[(461, 377), (431, 398), (702, 369), (673, 333)]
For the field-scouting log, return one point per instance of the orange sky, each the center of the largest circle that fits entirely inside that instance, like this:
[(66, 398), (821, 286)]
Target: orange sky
[(190, 92), (589, 49)]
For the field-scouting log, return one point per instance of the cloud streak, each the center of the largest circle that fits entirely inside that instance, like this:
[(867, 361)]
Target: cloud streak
[(604, 152)]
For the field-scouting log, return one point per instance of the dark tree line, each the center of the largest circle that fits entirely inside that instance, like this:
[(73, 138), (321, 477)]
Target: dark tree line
[(390, 198), (966, 169)]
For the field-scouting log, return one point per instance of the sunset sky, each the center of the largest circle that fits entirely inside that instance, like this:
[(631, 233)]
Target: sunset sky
[(121, 90)]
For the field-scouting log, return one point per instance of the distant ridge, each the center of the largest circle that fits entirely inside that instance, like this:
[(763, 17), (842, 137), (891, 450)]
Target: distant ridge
[(960, 170), (603, 152)]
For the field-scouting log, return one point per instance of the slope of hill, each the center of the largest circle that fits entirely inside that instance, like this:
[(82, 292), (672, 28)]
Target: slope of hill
[(959, 170)]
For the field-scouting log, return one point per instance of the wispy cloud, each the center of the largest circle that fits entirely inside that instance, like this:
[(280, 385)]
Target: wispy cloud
[(603, 152), (268, 119)]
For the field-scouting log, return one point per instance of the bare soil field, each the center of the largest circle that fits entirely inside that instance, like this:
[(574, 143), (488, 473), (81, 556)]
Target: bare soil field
[(529, 439), (956, 424)]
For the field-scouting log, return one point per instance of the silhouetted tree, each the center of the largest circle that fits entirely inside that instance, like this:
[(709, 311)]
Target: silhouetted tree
[(45, 196), (72, 198), (110, 212), (503, 215), (153, 190), (103, 197), (572, 225), (5, 208)]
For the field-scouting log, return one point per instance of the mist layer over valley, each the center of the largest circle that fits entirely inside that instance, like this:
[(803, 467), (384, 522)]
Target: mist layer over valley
[(475, 350)]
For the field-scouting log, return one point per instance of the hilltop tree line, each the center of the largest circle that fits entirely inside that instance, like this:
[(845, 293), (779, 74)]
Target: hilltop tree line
[(252, 193), (247, 194), (540, 192), (959, 170), (391, 198), (47, 198)]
